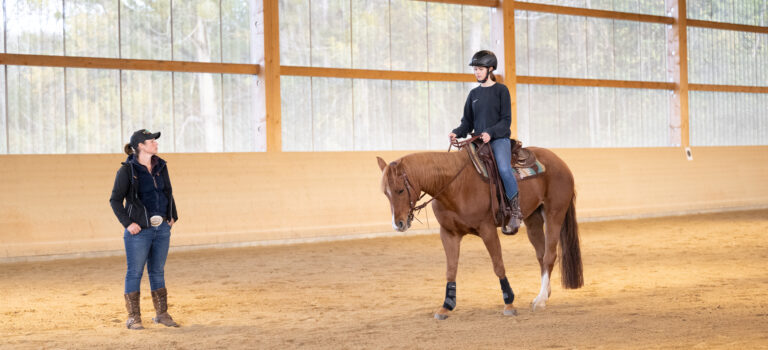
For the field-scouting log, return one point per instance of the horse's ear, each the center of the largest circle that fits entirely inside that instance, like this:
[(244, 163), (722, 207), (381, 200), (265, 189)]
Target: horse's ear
[(382, 163)]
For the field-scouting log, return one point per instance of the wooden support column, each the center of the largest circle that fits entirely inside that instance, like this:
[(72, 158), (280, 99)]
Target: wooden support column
[(677, 69), (503, 44), (272, 75)]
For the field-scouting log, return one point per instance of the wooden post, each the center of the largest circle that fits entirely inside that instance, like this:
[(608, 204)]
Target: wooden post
[(677, 69), (503, 43), (272, 75)]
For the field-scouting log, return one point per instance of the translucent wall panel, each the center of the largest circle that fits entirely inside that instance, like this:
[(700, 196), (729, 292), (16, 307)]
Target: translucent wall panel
[(725, 119), (409, 35), (372, 116), (579, 47), (446, 107), (382, 34), (332, 114), (600, 52), (34, 27), (476, 31), (521, 43), (93, 111), (236, 31), (410, 115), (443, 28), (564, 116), (650, 7), (380, 115), (294, 32), (542, 44), (197, 112), (91, 28), (36, 120), (572, 46), (2, 30), (296, 113), (244, 124), (147, 103), (196, 31), (750, 12), (3, 116), (330, 33), (145, 29), (727, 57), (370, 34)]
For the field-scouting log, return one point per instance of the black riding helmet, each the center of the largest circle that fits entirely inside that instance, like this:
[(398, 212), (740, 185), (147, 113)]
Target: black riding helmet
[(484, 58)]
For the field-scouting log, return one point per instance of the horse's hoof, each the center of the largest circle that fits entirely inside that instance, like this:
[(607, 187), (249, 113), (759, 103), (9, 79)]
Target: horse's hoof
[(510, 310), (538, 306), (440, 317)]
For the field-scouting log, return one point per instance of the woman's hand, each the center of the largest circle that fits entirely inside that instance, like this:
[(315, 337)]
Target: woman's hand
[(486, 137), (170, 222), (452, 136), (134, 228)]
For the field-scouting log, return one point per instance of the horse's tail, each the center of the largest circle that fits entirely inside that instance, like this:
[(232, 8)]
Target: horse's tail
[(570, 251)]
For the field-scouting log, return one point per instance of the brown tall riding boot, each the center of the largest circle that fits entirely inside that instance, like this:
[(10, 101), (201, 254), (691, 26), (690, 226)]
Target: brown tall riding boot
[(134, 311), (160, 299)]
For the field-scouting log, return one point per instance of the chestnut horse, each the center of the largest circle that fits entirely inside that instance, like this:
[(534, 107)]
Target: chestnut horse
[(462, 205)]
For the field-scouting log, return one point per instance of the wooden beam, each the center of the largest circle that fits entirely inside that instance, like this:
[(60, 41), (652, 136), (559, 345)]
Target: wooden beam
[(677, 70), (486, 3), (374, 74), (126, 64), (625, 84), (575, 11), (272, 75), (506, 11), (728, 88), (727, 26)]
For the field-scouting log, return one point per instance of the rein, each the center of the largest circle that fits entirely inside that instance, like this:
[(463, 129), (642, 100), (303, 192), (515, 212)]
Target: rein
[(417, 208)]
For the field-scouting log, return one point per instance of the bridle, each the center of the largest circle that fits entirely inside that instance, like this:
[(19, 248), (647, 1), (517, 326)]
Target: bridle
[(417, 208)]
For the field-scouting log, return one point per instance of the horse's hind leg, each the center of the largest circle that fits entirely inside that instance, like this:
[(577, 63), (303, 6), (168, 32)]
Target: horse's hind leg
[(491, 240), (451, 245), (554, 222), (534, 225)]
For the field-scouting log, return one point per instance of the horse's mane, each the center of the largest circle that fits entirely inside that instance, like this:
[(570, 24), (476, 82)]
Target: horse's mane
[(431, 168)]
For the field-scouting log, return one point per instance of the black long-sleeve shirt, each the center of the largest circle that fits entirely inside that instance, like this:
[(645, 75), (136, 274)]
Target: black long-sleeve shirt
[(487, 110)]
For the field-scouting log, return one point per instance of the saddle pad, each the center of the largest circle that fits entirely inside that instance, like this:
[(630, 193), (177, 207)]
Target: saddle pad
[(524, 173)]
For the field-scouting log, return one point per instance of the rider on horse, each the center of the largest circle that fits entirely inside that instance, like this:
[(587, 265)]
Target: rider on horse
[(488, 112)]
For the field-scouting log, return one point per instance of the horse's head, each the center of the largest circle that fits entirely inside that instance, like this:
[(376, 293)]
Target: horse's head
[(401, 193)]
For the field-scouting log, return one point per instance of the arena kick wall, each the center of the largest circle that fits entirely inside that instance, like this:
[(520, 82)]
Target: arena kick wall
[(57, 205)]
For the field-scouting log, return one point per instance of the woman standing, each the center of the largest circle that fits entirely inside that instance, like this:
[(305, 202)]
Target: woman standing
[(487, 111), (142, 199)]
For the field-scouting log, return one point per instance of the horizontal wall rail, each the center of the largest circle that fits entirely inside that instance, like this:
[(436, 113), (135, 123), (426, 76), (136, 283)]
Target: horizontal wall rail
[(375, 74), (628, 84), (127, 64)]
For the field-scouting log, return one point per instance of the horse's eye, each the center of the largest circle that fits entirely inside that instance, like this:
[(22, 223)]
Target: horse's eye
[(400, 192)]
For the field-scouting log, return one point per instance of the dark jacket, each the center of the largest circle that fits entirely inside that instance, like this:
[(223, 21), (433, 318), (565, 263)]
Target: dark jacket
[(487, 110), (125, 200)]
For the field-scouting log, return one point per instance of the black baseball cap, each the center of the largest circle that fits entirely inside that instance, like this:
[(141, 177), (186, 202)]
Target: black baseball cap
[(142, 135)]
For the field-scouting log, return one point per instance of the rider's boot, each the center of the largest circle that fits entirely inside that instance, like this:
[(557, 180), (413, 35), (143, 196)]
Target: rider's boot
[(514, 220)]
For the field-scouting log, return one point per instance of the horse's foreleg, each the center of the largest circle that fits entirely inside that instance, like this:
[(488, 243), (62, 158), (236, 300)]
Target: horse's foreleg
[(451, 244), (491, 240)]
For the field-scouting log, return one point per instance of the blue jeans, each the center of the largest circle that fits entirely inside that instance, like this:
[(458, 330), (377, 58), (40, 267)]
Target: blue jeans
[(148, 247), (502, 151)]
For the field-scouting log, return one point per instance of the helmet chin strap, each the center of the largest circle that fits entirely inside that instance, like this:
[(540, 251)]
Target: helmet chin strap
[(487, 74)]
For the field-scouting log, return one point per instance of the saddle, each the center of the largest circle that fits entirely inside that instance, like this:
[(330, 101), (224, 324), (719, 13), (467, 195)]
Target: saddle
[(524, 164)]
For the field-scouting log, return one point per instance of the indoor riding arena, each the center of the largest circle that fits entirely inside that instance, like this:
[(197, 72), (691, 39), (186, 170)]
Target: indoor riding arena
[(292, 234)]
